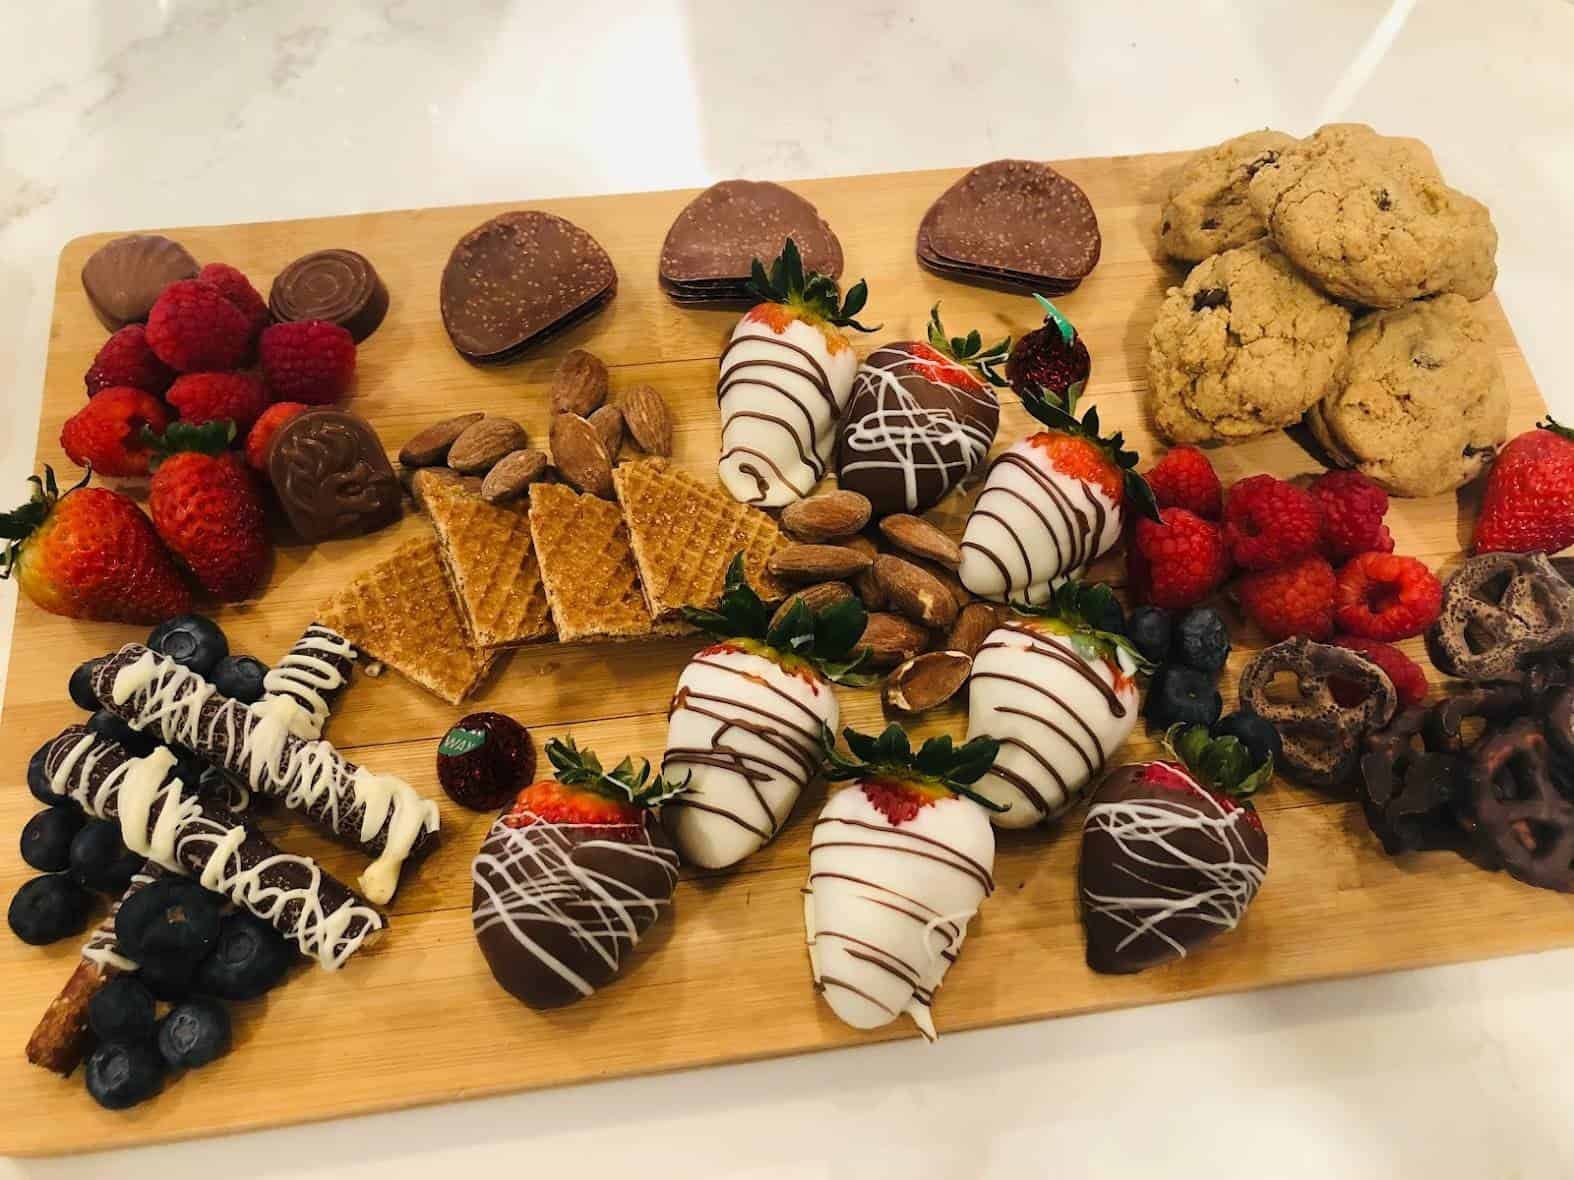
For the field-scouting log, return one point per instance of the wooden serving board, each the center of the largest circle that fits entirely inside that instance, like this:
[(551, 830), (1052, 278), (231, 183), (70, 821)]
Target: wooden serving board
[(418, 1018)]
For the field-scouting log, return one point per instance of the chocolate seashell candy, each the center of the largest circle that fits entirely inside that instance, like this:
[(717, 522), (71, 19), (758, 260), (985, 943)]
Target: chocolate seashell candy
[(124, 276)]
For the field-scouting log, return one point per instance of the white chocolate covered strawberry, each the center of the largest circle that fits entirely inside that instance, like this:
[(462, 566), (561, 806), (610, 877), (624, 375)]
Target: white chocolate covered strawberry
[(785, 378), (899, 862), (748, 718), (1059, 695)]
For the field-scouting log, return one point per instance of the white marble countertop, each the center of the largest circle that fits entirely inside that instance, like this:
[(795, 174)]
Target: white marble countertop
[(120, 115)]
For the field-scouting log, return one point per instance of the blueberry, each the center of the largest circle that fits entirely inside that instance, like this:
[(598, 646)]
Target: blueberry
[(240, 677), (46, 840), (38, 782), (1148, 628), (248, 959), (1258, 736), (99, 860), (122, 1010), (170, 980), (192, 641), (1179, 693), (121, 1075), (82, 694), (1204, 640), (118, 729), (47, 909), (172, 920), (194, 1033)]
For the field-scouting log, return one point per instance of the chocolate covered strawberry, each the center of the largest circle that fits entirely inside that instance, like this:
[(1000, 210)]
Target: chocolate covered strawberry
[(1051, 505), (785, 379), (1052, 358), (899, 862), (747, 719), (1060, 696), (571, 876), (206, 505), (90, 554), (1172, 852)]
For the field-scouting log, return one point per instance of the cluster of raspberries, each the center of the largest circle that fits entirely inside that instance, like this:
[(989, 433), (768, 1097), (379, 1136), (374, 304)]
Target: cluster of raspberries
[(1315, 561), (208, 352)]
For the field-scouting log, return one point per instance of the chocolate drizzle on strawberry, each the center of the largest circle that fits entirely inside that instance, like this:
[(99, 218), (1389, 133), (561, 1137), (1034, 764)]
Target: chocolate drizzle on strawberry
[(1060, 415)]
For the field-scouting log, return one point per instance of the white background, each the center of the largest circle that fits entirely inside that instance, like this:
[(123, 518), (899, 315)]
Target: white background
[(130, 113)]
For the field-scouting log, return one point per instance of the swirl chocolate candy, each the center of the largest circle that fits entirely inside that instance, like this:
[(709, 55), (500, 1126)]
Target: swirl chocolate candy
[(339, 286), (332, 476)]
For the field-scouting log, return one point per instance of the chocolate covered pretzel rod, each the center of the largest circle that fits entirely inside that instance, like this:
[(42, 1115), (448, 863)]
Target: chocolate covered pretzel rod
[(166, 821), (60, 1037), (304, 684), (382, 813)]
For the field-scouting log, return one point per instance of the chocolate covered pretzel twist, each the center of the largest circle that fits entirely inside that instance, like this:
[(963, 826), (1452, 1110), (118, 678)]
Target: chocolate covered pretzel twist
[(169, 823), (1501, 612), (383, 814)]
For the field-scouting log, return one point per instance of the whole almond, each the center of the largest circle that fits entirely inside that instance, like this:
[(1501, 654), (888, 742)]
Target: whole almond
[(864, 585), (816, 598), (608, 421), (917, 536), (580, 456), (827, 516), (925, 681), (915, 592), (973, 624), (946, 577), (580, 383), (513, 473), (891, 639), (483, 443), (816, 563), (648, 420), (430, 446)]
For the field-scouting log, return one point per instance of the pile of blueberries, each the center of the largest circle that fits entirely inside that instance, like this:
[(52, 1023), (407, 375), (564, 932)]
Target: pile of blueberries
[(1190, 653), (195, 962)]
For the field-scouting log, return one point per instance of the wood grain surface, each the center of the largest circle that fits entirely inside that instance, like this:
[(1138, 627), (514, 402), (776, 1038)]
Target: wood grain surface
[(417, 1018)]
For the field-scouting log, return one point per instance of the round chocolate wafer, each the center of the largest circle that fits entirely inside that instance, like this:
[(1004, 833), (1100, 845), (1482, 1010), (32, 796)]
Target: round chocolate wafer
[(339, 286), (1012, 221), (718, 235), (519, 278), (125, 275)]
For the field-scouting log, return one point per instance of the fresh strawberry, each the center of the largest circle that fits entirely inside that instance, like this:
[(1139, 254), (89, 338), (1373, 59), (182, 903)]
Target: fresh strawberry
[(206, 506), (213, 397), (309, 361), (260, 437), (583, 794), (761, 686), (1172, 852), (1052, 359), (126, 359), (193, 328), (881, 839), (106, 435), (1185, 479), (1529, 502), (90, 554), (237, 288)]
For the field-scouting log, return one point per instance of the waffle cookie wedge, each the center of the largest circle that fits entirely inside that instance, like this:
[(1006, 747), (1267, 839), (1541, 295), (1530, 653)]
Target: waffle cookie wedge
[(587, 567), (402, 612)]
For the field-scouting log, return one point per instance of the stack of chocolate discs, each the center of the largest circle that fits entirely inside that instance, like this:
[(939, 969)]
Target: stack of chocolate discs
[(339, 286), (518, 279), (706, 258), (1015, 225)]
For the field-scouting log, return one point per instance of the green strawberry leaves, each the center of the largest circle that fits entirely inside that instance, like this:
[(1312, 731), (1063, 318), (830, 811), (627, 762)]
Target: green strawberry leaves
[(938, 761), (969, 350), (1222, 763), (1087, 614), (626, 782), (205, 438), (812, 292), (17, 525), (1061, 417)]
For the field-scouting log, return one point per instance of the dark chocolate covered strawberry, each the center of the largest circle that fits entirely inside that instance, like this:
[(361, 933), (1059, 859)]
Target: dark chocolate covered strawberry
[(1052, 358), (1172, 852)]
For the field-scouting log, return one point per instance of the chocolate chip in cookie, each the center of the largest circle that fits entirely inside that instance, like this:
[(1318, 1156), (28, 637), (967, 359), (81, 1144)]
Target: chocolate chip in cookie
[(1205, 208)]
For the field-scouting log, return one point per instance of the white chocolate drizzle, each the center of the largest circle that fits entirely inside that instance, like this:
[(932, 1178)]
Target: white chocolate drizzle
[(306, 678)]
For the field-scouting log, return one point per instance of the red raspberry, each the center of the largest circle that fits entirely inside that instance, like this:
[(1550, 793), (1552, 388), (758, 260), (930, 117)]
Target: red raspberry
[(193, 328), (309, 361), (261, 436), (1409, 680), (126, 359), (1185, 479), (1178, 563), (208, 397), (237, 288), (1386, 597), (106, 433), (1268, 522), (1295, 599), (1353, 508)]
